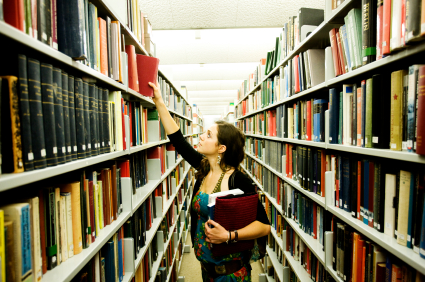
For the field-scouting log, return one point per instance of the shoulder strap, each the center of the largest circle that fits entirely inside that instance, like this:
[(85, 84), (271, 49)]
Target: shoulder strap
[(232, 180)]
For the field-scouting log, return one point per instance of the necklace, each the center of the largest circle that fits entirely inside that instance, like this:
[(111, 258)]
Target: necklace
[(217, 187)]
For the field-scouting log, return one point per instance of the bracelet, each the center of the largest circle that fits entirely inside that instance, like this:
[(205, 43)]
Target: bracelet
[(228, 238), (236, 237)]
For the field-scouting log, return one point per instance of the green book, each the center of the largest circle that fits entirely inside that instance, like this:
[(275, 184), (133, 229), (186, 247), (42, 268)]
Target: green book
[(153, 114), (368, 117)]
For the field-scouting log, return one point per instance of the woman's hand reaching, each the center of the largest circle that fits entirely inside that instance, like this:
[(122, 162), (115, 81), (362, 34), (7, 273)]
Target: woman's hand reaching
[(157, 97), (216, 235)]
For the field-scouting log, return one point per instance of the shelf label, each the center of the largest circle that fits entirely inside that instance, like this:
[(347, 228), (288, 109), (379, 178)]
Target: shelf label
[(55, 150)]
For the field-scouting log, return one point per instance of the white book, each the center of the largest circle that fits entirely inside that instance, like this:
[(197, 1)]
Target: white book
[(396, 14), (63, 230), (389, 216), (68, 224)]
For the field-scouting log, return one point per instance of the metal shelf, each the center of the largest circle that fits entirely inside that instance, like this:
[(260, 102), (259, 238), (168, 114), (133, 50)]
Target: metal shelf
[(68, 269), (278, 267), (289, 140), (387, 242), (12, 180)]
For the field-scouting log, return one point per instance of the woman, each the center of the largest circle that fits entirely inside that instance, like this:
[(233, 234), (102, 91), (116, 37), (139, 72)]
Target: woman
[(220, 152)]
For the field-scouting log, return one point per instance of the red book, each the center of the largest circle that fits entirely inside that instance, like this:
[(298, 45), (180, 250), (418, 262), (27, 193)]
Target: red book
[(323, 170), (91, 199), (42, 232), (14, 15), (287, 160), (297, 75), (386, 27), (340, 52), (170, 147), (54, 25), (290, 162), (359, 186), (287, 238), (314, 221), (403, 24), (133, 78), (308, 137), (154, 153), (124, 168), (360, 259), (34, 18), (371, 190), (420, 138), (273, 122), (335, 57), (269, 123), (103, 47), (147, 71), (379, 27), (105, 193), (363, 266), (123, 124)]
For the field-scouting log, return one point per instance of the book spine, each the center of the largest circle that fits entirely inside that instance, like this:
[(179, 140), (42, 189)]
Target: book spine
[(24, 102), (96, 110), (54, 32), (86, 113), (44, 21), (363, 87), (49, 114), (50, 221), (420, 137), (92, 117), (396, 109), (368, 31), (100, 105), (368, 118), (79, 118), (26, 240), (332, 36), (36, 112), (106, 138), (59, 118), (66, 119), (379, 28), (342, 65), (72, 120)]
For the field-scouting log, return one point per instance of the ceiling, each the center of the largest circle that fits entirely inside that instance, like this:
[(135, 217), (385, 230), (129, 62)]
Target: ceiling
[(234, 36)]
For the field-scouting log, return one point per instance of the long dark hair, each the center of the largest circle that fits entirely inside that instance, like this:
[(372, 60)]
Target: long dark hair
[(234, 140)]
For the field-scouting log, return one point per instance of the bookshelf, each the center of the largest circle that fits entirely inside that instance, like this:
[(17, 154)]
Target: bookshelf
[(67, 270), (412, 54)]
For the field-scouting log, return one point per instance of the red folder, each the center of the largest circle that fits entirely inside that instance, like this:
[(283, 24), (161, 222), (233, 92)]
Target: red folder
[(233, 213), (147, 71)]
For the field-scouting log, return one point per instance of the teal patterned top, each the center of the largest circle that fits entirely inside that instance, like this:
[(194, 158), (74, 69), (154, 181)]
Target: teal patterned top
[(203, 250)]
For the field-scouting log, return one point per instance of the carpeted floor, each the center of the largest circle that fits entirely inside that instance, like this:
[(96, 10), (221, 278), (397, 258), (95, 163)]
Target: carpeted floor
[(191, 269)]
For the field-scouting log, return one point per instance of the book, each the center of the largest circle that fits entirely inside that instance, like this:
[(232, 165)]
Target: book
[(369, 13), (420, 134), (147, 71), (20, 215), (133, 78), (11, 144), (396, 109), (74, 189), (71, 29), (59, 117)]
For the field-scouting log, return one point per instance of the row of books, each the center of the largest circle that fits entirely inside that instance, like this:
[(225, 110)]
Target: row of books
[(302, 72), (305, 165), (376, 30), (356, 258), (108, 264), (139, 24), (173, 101), (57, 223), (293, 32), (387, 199), (303, 120), (377, 115)]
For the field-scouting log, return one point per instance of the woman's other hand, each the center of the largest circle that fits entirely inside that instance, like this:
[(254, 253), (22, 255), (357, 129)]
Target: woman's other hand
[(216, 235), (157, 97)]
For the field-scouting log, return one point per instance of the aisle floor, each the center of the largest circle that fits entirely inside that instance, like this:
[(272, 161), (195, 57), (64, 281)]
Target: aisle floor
[(191, 268)]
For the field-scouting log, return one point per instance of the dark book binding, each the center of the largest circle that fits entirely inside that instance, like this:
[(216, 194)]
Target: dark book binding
[(79, 118), (36, 112), (59, 120), (93, 125), (100, 120), (49, 114), (66, 121), (96, 118), (70, 28), (369, 8), (72, 124), (25, 114), (381, 112), (106, 137), (44, 21), (87, 126), (333, 116)]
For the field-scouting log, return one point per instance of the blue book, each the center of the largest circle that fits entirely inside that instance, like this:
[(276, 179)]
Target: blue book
[(346, 184), (388, 271), (346, 46), (109, 255), (422, 240), (410, 216), (120, 260), (333, 116), (340, 119), (363, 111), (366, 192)]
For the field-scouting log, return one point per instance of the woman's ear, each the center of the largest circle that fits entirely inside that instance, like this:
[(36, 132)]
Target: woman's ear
[(222, 149)]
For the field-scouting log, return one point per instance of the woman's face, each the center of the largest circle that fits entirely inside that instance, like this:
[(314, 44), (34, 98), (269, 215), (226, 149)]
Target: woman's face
[(208, 142)]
